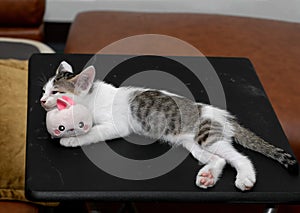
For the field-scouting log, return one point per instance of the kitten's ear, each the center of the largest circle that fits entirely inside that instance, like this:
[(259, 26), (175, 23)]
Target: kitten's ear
[(64, 67), (84, 80)]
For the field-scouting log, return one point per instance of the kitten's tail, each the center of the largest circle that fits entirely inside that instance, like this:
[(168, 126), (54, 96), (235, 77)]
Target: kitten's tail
[(249, 140)]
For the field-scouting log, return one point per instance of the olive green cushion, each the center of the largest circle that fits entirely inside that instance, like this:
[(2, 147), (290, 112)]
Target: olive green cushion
[(13, 105)]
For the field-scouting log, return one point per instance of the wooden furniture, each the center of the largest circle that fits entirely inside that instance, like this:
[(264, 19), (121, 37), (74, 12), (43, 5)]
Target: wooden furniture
[(22, 19)]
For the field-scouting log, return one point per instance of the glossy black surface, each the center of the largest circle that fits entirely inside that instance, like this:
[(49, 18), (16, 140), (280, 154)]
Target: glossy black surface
[(57, 173)]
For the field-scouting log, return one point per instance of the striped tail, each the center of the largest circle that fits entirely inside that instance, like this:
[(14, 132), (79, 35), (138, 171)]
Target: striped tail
[(249, 140)]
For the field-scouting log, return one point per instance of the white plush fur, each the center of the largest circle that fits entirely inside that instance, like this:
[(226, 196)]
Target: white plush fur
[(69, 118)]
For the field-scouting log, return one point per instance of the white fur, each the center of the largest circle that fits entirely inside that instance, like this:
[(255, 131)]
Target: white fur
[(246, 177), (48, 97), (109, 107), (220, 116), (67, 67), (213, 164), (64, 67)]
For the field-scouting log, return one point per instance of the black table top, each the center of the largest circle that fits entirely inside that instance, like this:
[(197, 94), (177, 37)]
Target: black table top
[(56, 173)]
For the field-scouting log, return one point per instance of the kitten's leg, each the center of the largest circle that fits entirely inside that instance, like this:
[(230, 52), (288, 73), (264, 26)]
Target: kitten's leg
[(211, 172), (96, 134), (246, 177)]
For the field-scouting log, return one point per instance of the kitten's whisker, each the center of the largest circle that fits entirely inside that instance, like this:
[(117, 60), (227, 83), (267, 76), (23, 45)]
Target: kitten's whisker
[(41, 80)]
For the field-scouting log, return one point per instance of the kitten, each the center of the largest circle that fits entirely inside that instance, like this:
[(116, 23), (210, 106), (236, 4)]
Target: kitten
[(205, 131)]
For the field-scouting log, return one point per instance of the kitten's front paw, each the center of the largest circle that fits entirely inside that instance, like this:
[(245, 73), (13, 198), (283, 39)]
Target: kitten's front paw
[(69, 142)]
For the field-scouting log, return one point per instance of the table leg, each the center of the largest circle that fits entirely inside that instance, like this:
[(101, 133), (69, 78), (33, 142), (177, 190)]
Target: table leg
[(128, 207), (271, 209)]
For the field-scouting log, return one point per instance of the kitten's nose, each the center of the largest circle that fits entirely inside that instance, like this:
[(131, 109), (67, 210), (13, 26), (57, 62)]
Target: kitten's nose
[(43, 102)]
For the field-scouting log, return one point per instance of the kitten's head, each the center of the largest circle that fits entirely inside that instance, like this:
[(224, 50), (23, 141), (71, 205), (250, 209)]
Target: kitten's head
[(66, 83)]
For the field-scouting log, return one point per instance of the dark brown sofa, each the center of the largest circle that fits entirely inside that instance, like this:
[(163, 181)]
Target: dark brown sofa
[(22, 19)]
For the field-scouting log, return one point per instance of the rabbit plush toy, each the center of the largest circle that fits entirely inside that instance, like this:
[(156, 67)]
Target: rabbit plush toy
[(68, 119)]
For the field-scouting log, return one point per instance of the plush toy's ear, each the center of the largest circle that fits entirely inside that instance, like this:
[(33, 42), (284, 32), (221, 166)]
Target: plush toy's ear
[(64, 67), (64, 103), (68, 99), (84, 81)]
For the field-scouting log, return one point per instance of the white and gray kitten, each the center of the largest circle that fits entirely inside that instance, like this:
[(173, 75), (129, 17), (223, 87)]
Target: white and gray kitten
[(205, 131)]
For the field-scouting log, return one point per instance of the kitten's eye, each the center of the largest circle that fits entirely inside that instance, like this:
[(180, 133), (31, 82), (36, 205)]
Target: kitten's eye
[(61, 128), (54, 92), (81, 124), (43, 91)]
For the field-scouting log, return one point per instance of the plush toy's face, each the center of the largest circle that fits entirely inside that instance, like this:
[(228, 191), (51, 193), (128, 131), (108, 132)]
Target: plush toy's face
[(68, 120)]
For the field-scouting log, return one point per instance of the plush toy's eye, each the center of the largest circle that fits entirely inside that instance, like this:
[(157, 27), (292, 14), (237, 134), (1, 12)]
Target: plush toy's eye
[(61, 128), (81, 124)]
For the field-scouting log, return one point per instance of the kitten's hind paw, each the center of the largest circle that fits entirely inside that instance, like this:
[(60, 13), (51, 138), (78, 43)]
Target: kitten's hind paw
[(205, 180), (210, 174)]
